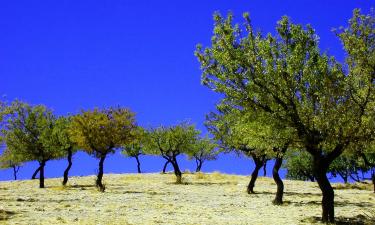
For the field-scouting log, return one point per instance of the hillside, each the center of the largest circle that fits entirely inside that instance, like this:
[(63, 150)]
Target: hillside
[(155, 199)]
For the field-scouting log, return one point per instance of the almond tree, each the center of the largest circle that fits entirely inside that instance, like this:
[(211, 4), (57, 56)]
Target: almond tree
[(7, 161), (203, 150), (100, 132), (288, 80), (170, 142), (27, 134), (134, 148)]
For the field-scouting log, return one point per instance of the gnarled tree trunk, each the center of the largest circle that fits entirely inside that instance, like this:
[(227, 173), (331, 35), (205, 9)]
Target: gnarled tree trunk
[(165, 165), (279, 182), (138, 164), (199, 165), (41, 174), (15, 171), (177, 171), (35, 173), (99, 183), (320, 168), (259, 162), (66, 172)]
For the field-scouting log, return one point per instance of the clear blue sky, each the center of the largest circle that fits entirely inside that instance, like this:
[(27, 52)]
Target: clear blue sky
[(72, 55)]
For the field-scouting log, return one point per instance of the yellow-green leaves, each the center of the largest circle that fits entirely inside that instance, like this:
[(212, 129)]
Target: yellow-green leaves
[(100, 131)]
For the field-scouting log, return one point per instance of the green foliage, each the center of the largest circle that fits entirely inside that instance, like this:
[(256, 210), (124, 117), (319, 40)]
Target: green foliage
[(101, 131), (135, 147), (203, 149), (299, 166), (286, 80), (171, 141), (9, 160), (27, 132)]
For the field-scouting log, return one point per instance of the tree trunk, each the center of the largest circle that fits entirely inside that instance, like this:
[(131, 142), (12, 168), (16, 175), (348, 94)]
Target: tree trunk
[(280, 185), (258, 165), (41, 174), (373, 180), (320, 171), (138, 164), (177, 171), (199, 165), (265, 168), (165, 166), (99, 183), (66, 172), (35, 173), (15, 171)]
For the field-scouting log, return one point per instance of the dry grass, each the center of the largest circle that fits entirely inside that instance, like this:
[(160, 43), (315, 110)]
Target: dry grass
[(154, 199)]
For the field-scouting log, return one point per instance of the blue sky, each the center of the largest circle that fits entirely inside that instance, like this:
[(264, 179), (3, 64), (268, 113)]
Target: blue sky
[(72, 55)]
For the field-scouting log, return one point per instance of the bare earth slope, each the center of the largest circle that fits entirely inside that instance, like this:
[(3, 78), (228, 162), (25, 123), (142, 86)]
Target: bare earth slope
[(155, 199)]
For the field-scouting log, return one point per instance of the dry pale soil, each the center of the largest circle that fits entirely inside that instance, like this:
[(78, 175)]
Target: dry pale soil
[(155, 199)]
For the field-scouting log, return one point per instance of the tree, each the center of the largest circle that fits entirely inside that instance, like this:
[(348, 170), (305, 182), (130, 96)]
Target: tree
[(135, 147), (100, 132), (7, 160), (61, 141), (287, 78), (27, 134), (203, 150), (299, 166), (170, 142)]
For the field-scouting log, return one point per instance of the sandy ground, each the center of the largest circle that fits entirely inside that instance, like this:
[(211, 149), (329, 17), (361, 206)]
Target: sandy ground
[(155, 199)]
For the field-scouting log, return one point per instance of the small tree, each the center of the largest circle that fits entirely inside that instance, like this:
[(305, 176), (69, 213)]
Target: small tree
[(170, 142), (299, 166), (100, 132), (7, 160), (203, 150), (27, 134), (61, 141), (134, 149)]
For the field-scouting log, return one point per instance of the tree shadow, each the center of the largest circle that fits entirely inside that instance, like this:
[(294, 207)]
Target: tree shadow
[(355, 220), (337, 203)]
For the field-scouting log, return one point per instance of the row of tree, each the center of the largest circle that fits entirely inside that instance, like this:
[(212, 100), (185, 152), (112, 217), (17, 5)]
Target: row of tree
[(34, 133), (283, 96)]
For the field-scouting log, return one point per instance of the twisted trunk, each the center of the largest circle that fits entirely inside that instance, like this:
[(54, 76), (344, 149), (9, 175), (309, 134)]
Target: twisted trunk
[(41, 173), (259, 162), (15, 171), (66, 172), (279, 182), (33, 177), (199, 165), (99, 183), (138, 164), (177, 170), (165, 166), (320, 168)]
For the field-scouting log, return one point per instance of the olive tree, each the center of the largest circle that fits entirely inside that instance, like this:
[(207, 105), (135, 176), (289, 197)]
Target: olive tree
[(100, 132), (288, 79), (170, 142)]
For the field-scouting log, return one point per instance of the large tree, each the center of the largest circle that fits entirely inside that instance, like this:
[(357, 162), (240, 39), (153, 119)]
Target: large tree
[(100, 132), (27, 134), (170, 142), (287, 78)]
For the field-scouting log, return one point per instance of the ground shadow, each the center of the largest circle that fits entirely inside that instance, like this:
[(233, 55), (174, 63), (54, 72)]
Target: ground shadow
[(355, 220)]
